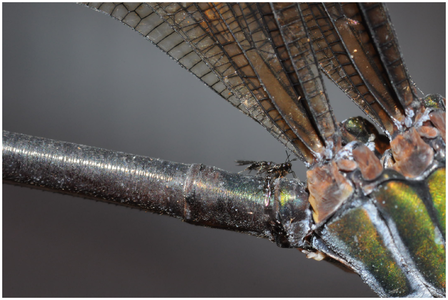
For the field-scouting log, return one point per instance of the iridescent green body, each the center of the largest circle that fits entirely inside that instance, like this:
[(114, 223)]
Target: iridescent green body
[(437, 188), (360, 237), (391, 230), (404, 208), (394, 237)]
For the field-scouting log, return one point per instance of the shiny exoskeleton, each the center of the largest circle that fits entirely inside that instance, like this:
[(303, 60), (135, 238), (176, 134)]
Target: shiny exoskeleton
[(373, 202), (267, 60)]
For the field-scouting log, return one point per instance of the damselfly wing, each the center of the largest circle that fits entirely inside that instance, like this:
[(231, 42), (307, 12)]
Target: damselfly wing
[(35, 85)]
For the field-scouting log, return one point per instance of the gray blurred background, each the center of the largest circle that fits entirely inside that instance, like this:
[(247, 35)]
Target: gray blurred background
[(72, 74)]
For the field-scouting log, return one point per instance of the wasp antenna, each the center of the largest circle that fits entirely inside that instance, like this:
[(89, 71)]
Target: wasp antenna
[(287, 156)]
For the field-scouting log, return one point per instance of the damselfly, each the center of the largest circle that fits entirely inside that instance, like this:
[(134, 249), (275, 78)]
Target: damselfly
[(261, 287)]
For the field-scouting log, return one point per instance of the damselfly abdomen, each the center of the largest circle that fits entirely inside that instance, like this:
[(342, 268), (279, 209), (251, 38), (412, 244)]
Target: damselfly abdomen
[(204, 160)]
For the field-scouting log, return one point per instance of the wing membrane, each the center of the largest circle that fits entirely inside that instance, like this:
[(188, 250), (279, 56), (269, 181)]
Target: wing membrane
[(380, 27), (231, 48), (357, 48), (235, 28), (298, 58), (266, 59)]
